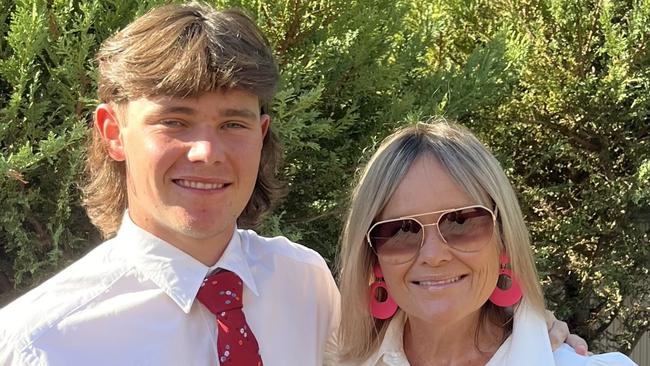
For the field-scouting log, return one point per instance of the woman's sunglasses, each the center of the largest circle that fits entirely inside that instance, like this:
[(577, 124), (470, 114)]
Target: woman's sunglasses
[(466, 229)]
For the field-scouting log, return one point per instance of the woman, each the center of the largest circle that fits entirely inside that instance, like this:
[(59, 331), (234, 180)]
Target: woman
[(436, 224)]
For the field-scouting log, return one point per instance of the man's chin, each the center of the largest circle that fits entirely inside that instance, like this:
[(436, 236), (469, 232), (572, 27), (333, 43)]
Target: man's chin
[(199, 229), (205, 229)]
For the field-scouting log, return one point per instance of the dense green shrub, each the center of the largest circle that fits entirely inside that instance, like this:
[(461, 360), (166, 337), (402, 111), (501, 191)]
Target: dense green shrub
[(558, 89)]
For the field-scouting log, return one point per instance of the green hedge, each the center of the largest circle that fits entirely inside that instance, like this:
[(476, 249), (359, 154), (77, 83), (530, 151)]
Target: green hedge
[(558, 89)]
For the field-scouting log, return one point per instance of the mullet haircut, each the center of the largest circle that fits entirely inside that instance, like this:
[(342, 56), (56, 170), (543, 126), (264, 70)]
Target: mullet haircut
[(181, 51)]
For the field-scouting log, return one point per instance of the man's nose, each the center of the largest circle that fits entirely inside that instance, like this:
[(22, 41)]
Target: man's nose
[(206, 148)]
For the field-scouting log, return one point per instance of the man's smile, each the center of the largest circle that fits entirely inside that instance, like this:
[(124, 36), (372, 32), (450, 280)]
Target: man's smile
[(186, 183)]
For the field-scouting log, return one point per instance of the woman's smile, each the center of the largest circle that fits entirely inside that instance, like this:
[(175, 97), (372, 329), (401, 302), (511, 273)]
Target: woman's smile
[(439, 284)]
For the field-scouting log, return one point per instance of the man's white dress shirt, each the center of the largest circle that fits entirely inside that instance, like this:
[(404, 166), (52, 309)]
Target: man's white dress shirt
[(527, 345), (131, 301)]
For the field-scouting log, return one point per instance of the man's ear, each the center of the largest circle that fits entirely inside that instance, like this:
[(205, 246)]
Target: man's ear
[(110, 130), (265, 122)]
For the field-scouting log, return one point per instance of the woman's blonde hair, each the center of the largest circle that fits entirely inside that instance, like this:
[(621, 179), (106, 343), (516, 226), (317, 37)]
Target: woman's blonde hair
[(475, 170), (181, 51)]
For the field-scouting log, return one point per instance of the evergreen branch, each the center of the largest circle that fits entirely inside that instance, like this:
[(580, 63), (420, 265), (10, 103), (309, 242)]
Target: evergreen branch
[(11, 173), (603, 327), (41, 233), (307, 220), (579, 138), (636, 337)]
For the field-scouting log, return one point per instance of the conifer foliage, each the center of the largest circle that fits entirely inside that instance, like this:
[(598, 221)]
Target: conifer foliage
[(559, 89)]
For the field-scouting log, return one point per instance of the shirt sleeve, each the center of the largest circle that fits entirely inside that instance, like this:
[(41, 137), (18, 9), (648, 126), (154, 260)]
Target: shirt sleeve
[(331, 357), (566, 356), (10, 352), (332, 347), (10, 356)]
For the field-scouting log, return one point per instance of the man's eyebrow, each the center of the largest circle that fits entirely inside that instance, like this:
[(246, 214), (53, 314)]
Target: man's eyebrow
[(238, 112), (176, 109), (226, 112)]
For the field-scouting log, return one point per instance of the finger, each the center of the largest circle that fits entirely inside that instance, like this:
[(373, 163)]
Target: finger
[(558, 333), (578, 344)]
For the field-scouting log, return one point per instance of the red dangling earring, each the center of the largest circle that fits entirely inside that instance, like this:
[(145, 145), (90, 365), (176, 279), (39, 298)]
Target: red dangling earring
[(381, 309), (510, 296)]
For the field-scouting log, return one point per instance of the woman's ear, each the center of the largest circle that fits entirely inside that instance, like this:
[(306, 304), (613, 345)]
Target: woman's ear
[(110, 130)]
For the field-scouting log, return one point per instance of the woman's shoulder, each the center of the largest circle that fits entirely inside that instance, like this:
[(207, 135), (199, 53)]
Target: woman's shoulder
[(566, 356)]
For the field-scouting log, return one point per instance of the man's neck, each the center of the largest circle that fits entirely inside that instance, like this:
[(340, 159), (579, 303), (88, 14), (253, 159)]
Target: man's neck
[(207, 253), (206, 249)]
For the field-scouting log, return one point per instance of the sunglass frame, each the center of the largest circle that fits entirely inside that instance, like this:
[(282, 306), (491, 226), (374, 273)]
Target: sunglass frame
[(437, 224)]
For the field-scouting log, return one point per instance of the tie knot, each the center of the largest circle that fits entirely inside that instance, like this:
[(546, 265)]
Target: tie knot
[(221, 292)]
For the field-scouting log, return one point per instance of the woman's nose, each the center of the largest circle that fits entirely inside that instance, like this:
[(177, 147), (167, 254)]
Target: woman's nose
[(434, 250)]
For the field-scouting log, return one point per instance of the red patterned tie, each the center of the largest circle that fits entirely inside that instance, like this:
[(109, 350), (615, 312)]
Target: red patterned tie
[(222, 294)]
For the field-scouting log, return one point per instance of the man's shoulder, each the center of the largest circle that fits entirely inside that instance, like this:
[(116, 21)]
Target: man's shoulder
[(280, 246), (41, 308)]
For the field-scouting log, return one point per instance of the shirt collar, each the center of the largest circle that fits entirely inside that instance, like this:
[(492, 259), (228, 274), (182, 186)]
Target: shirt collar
[(392, 346), (527, 345), (175, 272), (235, 259)]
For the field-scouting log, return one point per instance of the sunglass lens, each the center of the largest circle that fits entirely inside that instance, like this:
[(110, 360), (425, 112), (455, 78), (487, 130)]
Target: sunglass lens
[(467, 229), (396, 238)]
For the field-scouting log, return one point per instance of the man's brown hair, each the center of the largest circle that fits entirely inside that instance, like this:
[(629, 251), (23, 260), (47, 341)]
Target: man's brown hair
[(182, 51)]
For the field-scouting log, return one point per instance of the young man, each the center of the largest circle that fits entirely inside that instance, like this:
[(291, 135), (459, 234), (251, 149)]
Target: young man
[(182, 152), (183, 138)]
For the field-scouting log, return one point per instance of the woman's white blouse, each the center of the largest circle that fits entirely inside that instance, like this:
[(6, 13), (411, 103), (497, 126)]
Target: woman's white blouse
[(527, 345)]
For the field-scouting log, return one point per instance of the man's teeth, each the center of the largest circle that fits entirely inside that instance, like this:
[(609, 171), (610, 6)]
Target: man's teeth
[(438, 283), (198, 185)]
